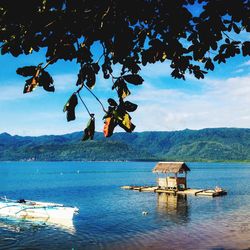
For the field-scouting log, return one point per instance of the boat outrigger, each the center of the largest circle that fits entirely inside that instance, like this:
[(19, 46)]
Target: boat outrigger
[(26, 209)]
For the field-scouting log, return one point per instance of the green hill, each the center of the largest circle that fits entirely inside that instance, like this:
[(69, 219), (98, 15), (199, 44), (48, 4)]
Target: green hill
[(217, 144)]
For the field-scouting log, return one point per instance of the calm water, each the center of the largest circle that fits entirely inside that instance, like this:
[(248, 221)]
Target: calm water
[(111, 218)]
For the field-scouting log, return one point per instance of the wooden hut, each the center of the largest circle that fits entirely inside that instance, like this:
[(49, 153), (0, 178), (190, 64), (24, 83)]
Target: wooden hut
[(172, 170)]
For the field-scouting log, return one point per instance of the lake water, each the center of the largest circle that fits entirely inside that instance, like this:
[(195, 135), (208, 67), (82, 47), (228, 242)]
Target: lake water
[(111, 218)]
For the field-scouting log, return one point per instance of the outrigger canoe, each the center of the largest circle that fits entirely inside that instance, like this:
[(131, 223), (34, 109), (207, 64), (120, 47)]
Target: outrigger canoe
[(27, 209)]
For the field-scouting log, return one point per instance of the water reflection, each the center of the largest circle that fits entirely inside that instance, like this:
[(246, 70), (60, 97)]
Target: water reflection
[(18, 225), (173, 207)]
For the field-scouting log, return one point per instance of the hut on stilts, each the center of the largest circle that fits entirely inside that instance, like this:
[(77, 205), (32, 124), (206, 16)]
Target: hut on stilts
[(175, 175), (172, 179)]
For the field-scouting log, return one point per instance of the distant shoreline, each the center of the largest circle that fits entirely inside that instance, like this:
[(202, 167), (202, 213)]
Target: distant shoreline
[(205, 145), (222, 161)]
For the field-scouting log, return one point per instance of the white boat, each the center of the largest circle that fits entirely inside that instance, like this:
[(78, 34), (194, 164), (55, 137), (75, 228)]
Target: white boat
[(26, 209)]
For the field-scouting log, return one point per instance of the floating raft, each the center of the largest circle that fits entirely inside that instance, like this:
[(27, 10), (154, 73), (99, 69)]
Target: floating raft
[(198, 192)]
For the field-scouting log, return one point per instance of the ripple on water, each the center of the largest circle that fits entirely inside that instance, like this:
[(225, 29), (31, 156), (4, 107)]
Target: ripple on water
[(229, 232), (111, 218)]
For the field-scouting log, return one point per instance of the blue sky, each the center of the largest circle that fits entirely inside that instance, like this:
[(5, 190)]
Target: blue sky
[(165, 104)]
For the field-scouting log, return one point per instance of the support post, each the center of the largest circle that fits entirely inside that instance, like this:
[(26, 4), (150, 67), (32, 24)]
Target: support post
[(185, 180), (176, 181)]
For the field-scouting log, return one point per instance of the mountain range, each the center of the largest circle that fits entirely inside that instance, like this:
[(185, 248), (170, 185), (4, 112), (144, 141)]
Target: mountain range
[(213, 144)]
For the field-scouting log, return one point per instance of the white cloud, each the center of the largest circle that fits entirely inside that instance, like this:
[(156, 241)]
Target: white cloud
[(65, 82), (247, 63), (11, 91), (156, 70), (150, 71), (218, 103), (103, 84), (223, 103), (238, 71)]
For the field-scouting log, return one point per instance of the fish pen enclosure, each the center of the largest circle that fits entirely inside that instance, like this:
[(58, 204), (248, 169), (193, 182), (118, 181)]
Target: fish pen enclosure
[(174, 181)]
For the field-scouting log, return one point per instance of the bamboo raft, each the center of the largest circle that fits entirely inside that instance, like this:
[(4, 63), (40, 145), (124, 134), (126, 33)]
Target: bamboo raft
[(175, 184), (197, 192)]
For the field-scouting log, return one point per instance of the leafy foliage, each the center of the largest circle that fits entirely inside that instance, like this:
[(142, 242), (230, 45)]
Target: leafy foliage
[(118, 115), (39, 77), (87, 74), (131, 33)]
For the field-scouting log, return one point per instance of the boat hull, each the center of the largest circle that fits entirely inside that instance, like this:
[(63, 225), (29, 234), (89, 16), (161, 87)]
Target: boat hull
[(32, 209)]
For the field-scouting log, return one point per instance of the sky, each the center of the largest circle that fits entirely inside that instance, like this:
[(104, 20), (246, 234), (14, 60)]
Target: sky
[(164, 104)]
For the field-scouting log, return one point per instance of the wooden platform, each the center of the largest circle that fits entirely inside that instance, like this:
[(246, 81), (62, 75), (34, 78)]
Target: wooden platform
[(198, 192)]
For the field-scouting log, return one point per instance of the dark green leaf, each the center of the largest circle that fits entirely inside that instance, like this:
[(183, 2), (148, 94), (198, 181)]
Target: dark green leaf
[(126, 124), (109, 126), (90, 78), (27, 71), (134, 79), (30, 85), (118, 82), (87, 76), (209, 65), (96, 67), (84, 55), (27, 86), (129, 106), (122, 88), (246, 49), (46, 81), (69, 107), (89, 131), (112, 102), (123, 91), (82, 75), (236, 28)]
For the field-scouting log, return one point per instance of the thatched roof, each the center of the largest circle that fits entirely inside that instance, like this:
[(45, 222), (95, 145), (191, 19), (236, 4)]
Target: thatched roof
[(170, 167)]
